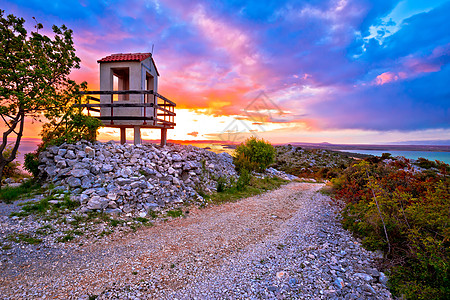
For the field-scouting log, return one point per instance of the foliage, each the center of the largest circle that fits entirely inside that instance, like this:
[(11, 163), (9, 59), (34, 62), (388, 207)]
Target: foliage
[(405, 213), (10, 194), (255, 186), (243, 180), (221, 184), (24, 237), (34, 78), (72, 127), (175, 213), (31, 163), (253, 155), (11, 169), (45, 207)]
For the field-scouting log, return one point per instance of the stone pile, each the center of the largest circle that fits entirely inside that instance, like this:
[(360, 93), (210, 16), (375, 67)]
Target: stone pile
[(124, 178)]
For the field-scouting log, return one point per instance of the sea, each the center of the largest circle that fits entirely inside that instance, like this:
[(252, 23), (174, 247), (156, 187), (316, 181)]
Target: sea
[(430, 155)]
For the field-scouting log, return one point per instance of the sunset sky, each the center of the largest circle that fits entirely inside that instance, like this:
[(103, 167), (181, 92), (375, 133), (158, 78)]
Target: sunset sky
[(348, 71)]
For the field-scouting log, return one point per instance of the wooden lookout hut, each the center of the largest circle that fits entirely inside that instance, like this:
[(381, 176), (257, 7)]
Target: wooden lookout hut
[(129, 96)]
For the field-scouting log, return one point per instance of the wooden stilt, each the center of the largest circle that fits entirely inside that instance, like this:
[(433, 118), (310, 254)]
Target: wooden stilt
[(137, 135), (163, 136), (123, 135)]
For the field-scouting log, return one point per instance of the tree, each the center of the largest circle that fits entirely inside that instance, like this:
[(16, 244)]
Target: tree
[(34, 77)]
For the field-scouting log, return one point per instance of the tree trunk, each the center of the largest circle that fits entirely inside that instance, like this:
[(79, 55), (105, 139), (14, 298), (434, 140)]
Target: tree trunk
[(19, 119)]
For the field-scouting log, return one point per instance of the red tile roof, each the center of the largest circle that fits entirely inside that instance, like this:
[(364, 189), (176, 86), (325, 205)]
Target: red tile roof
[(125, 57)]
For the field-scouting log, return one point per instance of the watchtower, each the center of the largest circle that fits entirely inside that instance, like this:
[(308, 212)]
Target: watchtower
[(129, 96)]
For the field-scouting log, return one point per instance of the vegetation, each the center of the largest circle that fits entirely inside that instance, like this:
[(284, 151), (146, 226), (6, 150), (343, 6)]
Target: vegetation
[(311, 163), (9, 194), (73, 126), (237, 190), (175, 213), (24, 237), (404, 212), (11, 169), (253, 155), (34, 83), (31, 163)]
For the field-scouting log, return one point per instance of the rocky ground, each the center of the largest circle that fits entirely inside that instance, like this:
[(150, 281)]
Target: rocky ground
[(284, 244), (311, 162)]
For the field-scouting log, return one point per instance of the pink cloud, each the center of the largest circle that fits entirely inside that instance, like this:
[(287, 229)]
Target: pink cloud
[(386, 77)]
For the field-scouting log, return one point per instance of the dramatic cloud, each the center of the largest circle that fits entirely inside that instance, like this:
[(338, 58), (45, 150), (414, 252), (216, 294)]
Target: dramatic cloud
[(327, 64)]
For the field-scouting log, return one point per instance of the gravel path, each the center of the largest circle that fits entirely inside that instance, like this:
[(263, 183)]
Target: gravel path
[(284, 244)]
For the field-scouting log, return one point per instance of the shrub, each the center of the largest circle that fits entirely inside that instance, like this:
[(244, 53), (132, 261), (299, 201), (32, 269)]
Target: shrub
[(243, 180), (254, 155), (31, 163), (11, 169), (406, 214), (221, 184)]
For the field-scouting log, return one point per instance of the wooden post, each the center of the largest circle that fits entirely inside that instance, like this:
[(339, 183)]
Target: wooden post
[(123, 135), (163, 136), (137, 135)]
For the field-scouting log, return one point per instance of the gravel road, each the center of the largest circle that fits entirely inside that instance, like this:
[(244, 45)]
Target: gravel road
[(284, 244)]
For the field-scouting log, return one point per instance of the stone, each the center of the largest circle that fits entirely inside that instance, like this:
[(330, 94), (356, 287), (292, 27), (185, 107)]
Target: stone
[(95, 170), (176, 157), (383, 278), (368, 288), (73, 181), (89, 191), (97, 203), (101, 192), (150, 206), (339, 282), (135, 184), (61, 164), (70, 155), (53, 149), (113, 211), (112, 196), (90, 152), (148, 171), (83, 198), (86, 182), (62, 152), (373, 272), (123, 181), (81, 154), (107, 168), (364, 276), (112, 204), (52, 171), (79, 172)]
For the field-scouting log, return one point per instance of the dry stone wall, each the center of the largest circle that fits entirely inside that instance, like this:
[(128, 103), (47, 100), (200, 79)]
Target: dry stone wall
[(125, 178)]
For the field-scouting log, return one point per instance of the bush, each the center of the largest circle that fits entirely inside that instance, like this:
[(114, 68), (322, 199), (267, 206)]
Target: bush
[(406, 214), (11, 170), (31, 163), (243, 180), (253, 155)]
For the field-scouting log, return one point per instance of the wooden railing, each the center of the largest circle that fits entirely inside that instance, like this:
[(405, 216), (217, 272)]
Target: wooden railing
[(163, 108)]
